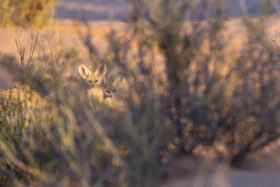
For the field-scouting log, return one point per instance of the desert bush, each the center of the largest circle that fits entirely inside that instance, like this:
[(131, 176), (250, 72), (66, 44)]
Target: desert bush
[(80, 142), (22, 111), (256, 93), (211, 102), (25, 12)]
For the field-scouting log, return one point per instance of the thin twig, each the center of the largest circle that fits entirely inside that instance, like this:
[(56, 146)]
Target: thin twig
[(21, 50), (33, 46)]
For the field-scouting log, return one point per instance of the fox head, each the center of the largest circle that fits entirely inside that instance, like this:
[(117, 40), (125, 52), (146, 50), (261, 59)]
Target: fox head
[(110, 89), (93, 78)]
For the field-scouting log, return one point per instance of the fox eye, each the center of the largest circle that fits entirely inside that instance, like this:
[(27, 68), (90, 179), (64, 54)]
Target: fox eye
[(108, 91), (114, 91), (96, 81), (90, 81)]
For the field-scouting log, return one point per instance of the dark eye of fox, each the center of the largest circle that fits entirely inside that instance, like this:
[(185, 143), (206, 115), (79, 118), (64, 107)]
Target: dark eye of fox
[(108, 91), (96, 81), (90, 81), (114, 91)]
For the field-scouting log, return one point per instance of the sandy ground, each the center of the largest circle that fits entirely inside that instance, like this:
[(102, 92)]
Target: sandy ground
[(261, 169), (224, 178)]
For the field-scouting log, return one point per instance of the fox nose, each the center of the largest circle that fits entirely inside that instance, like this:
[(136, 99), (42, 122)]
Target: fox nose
[(111, 96)]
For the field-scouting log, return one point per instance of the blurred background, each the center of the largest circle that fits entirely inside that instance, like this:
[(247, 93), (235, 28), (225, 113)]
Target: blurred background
[(118, 9), (199, 105)]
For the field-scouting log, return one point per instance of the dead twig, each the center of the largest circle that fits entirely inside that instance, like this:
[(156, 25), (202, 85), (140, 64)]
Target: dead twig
[(21, 49)]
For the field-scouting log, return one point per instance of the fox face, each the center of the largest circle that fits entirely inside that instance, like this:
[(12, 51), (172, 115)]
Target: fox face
[(94, 79), (110, 89)]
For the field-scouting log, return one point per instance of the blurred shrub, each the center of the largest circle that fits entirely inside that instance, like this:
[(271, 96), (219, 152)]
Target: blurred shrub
[(77, 141), (26, 12), (22, 111), (193, 101), (255, 98), (208, 101)]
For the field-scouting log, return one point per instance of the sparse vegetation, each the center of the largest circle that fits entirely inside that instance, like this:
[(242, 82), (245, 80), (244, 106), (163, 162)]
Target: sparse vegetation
[(194, 99), (26, 13)]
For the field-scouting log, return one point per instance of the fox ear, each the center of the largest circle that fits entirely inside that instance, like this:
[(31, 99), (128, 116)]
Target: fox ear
[(84, 71), (119, 81), (101, 71), (105, 81)]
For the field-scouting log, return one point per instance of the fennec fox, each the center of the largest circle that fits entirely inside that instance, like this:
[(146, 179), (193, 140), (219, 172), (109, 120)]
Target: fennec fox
[(110, 89), (95, 79), (102, 89)]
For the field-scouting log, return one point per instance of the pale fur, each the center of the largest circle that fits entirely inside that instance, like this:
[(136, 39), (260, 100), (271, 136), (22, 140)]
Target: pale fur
[(110, 90), (102, 91), (96, 80)]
